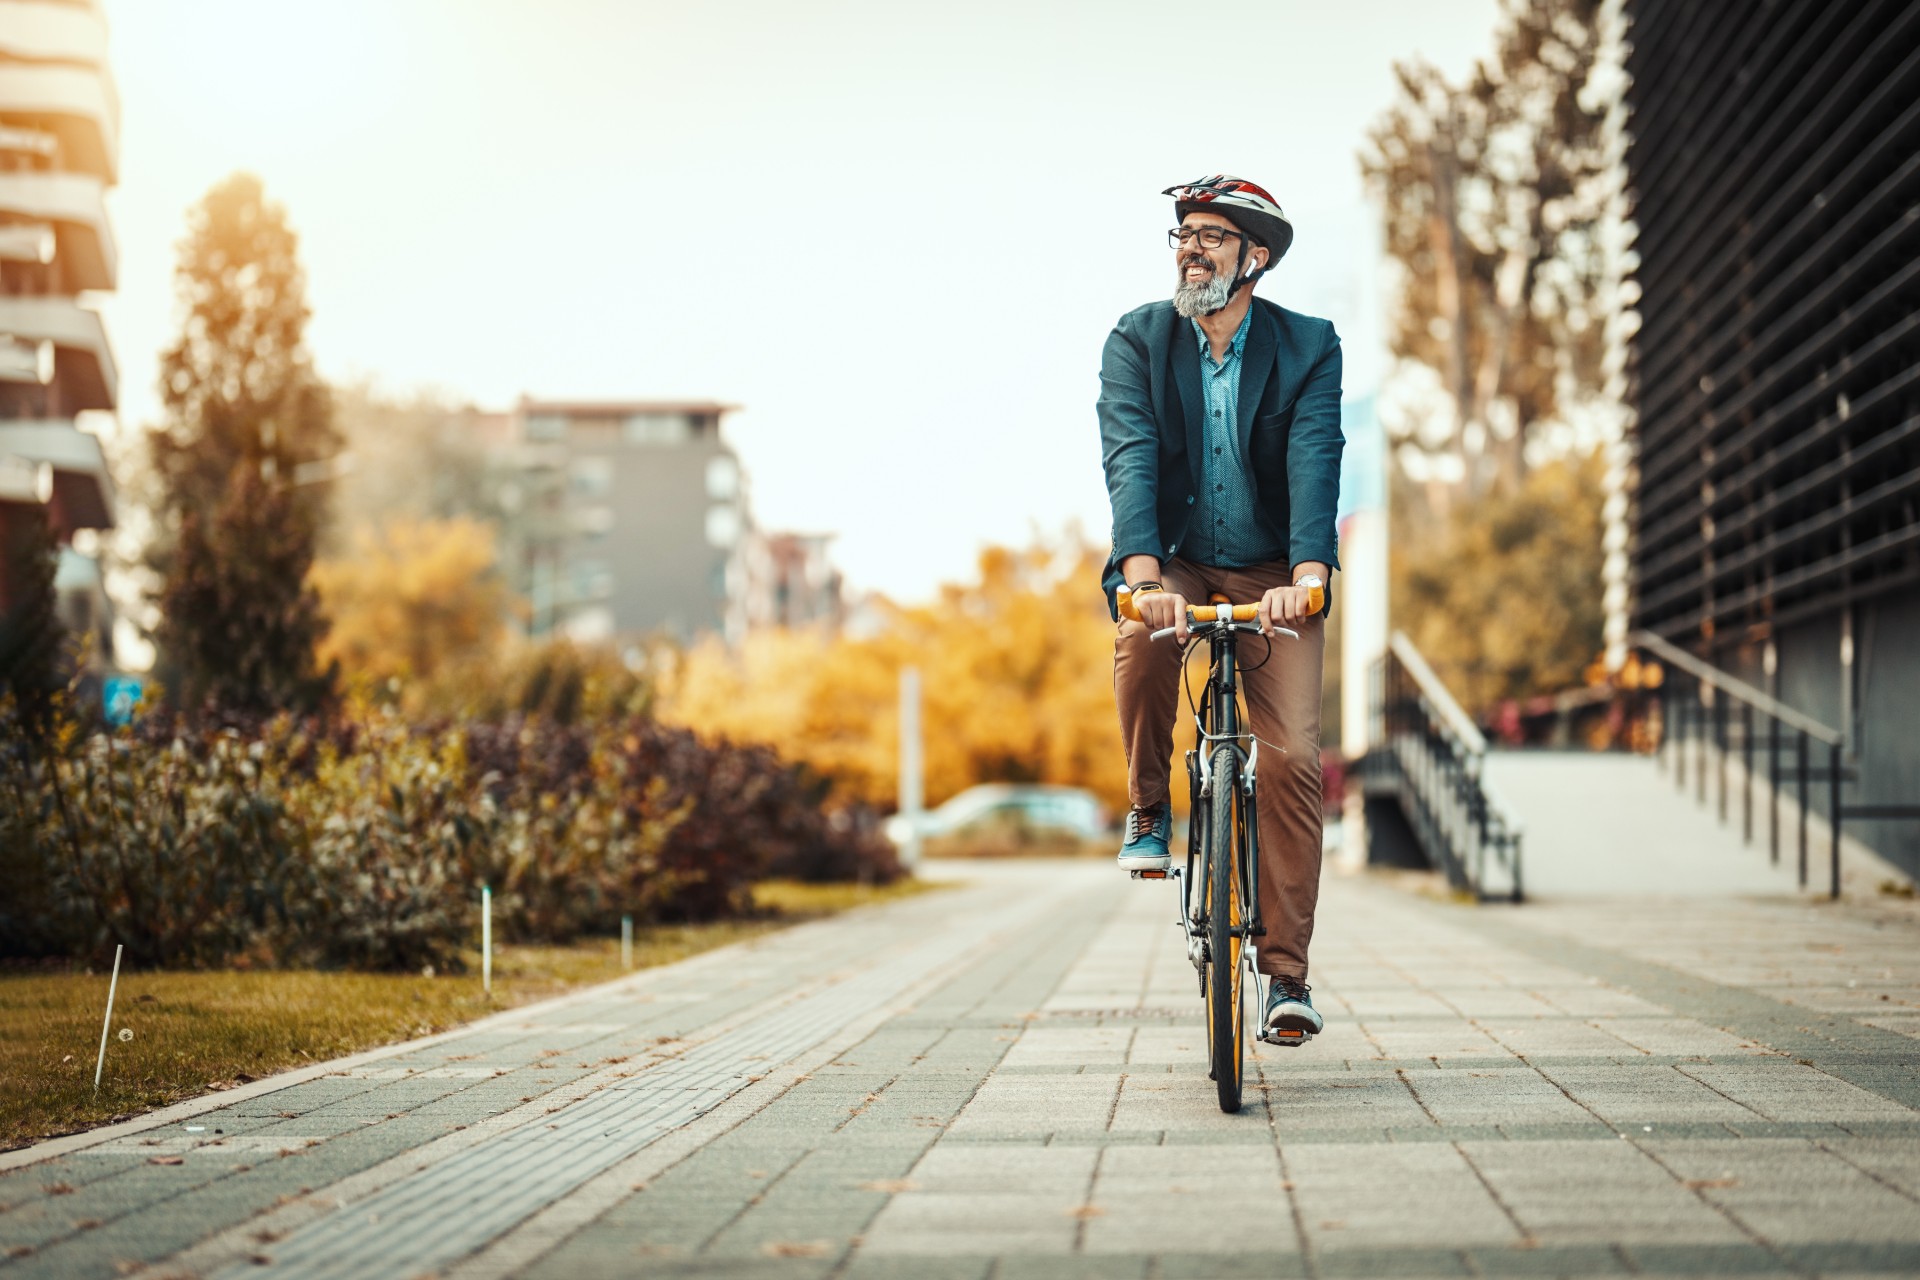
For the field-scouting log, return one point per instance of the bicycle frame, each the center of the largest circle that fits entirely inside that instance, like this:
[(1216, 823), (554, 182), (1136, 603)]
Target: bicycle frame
[(1217, 720)]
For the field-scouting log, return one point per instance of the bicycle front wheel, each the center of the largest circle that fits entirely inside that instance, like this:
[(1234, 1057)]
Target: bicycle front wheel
[(1226, 1023)]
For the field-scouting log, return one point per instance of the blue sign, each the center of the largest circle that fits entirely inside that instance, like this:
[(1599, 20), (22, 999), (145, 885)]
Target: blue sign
[(122, 697)]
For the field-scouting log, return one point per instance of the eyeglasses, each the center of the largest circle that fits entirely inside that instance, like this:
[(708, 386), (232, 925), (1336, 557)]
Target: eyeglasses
[(1210, 237)]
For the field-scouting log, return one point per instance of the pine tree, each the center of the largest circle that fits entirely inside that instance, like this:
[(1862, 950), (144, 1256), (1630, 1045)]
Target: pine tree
[(248, 424), (33, 644)]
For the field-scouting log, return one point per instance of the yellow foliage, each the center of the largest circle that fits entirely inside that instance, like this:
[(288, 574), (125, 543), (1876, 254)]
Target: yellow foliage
[(1016, 677), (1502, 595), (412, 598)]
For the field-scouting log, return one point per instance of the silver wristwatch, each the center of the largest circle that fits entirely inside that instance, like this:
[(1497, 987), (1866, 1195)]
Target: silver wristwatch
[(1311, 580)]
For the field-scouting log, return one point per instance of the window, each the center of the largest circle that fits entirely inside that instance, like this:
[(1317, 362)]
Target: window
[(656, 428), (723, 526), (547, 426), (592, 580), (590, 477), (723, 478)]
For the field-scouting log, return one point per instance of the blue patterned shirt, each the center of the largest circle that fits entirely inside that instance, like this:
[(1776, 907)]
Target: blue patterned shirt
[(1227, 530)]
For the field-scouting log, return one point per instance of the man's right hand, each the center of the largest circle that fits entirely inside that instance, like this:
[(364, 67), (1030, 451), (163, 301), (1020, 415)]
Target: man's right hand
[(1162, 609)]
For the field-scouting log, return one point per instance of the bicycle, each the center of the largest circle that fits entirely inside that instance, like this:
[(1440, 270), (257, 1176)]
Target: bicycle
[(1220, 882)]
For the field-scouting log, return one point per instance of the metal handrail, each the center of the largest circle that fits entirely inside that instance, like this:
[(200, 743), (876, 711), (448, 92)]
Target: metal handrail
[(1432, 758), (1706, 723), (1705, 672), (1436, 693)]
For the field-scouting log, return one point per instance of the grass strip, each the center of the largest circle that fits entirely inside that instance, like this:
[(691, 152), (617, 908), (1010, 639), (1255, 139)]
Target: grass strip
[(194, 1032)]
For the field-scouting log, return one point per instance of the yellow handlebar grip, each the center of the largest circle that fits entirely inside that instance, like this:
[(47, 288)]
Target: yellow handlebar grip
[(1123, 600)]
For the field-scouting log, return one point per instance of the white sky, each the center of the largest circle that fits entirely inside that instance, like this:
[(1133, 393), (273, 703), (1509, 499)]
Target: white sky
[(896, 233)]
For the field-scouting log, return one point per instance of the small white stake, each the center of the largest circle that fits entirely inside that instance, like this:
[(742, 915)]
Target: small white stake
[(100, 1061), (626, 942), (486, 939)]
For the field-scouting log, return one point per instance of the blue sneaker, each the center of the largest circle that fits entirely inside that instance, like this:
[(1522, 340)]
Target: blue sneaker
[(1148, 830), (1291, 1018)]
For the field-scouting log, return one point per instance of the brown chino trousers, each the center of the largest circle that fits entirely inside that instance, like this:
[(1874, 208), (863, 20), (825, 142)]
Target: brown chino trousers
[(1282, 694)]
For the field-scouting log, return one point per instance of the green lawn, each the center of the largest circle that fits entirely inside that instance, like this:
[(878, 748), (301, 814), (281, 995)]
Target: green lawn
[(192, 1032)]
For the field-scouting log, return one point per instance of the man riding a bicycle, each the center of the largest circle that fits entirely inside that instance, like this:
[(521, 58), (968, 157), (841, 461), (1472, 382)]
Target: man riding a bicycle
[(1220, 431)]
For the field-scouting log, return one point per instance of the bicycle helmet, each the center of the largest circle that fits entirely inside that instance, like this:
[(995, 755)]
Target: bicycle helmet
[(1248, 207)]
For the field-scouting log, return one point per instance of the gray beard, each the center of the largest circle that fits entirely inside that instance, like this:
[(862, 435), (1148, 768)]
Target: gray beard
[(1196, 300)]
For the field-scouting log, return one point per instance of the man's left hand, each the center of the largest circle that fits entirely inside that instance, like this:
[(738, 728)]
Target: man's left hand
[(1286, 607)]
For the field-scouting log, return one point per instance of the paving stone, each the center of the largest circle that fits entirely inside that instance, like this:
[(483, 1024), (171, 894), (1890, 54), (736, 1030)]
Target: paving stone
[(1561, 1090)]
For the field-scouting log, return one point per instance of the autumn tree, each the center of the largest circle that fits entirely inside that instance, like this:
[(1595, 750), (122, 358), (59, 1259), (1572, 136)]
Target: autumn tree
[(1505, 601), (1495, 194), (240, 465), (1017, 679), (411, 599), (1492, 192)]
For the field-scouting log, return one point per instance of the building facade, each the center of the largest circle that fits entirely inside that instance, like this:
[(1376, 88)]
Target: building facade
[(1775, 520), (59, 151), (627, 520)]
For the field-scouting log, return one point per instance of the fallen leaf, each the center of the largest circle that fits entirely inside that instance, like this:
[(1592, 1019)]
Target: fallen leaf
[(166, 1160), (891, 1186), (796, 1249)]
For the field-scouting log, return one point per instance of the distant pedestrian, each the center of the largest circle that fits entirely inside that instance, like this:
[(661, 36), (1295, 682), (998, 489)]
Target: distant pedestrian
[(1220, 430)]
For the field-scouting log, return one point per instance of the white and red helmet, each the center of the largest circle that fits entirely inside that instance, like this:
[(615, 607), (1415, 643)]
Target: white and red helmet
[(1242, 203)]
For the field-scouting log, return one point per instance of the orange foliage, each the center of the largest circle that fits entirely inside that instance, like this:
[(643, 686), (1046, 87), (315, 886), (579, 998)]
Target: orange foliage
[(412, 599), (1016, 676)]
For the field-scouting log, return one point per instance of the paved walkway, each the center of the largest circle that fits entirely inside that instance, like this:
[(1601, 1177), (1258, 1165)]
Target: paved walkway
[(1006, 1080)]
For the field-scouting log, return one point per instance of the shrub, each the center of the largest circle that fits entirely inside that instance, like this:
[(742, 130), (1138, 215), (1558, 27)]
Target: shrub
[(364, 843)]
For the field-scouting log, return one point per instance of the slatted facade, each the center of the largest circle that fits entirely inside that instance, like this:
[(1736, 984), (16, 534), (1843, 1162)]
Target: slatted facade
[(1774, 162), (1775, 166)]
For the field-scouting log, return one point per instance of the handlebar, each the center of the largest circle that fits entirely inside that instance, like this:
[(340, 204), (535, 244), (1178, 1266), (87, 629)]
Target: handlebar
[(1220, 612)]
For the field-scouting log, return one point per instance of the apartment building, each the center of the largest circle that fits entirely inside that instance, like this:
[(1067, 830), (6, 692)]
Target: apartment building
[(626, 520), (59, 151)]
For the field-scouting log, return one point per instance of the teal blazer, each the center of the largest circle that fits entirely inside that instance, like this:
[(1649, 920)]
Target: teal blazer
[(1152, 413)]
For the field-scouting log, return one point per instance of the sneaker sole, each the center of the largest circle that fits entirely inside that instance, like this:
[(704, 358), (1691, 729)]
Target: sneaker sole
[(1294, 1022)]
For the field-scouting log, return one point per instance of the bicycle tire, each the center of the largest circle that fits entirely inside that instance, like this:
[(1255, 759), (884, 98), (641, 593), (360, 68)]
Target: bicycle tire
[(1226, 1020)]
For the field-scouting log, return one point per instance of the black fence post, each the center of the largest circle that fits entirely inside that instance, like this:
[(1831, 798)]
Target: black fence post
[(1680, 745), (1773, 790), (1803, 808), (1700, 732), (1746, 773), (1833, 818), (1720, 742)]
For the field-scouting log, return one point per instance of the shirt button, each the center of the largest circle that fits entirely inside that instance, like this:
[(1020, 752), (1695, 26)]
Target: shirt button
[(1216, 413)]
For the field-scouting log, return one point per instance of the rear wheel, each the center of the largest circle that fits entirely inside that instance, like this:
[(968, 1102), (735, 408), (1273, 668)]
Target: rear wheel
[(1226, 1023)]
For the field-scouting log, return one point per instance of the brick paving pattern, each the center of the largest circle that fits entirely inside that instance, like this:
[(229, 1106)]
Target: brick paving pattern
[(1006, 1080)]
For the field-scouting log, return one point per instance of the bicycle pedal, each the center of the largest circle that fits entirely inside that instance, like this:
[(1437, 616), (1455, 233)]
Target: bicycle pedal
[(1150, 875), (1286, 1037)]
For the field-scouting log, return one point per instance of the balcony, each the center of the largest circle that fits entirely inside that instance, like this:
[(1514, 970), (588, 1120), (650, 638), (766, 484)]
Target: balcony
[(39, 31), (72, 203), (82, 489), (83, 362), (78, 105)]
